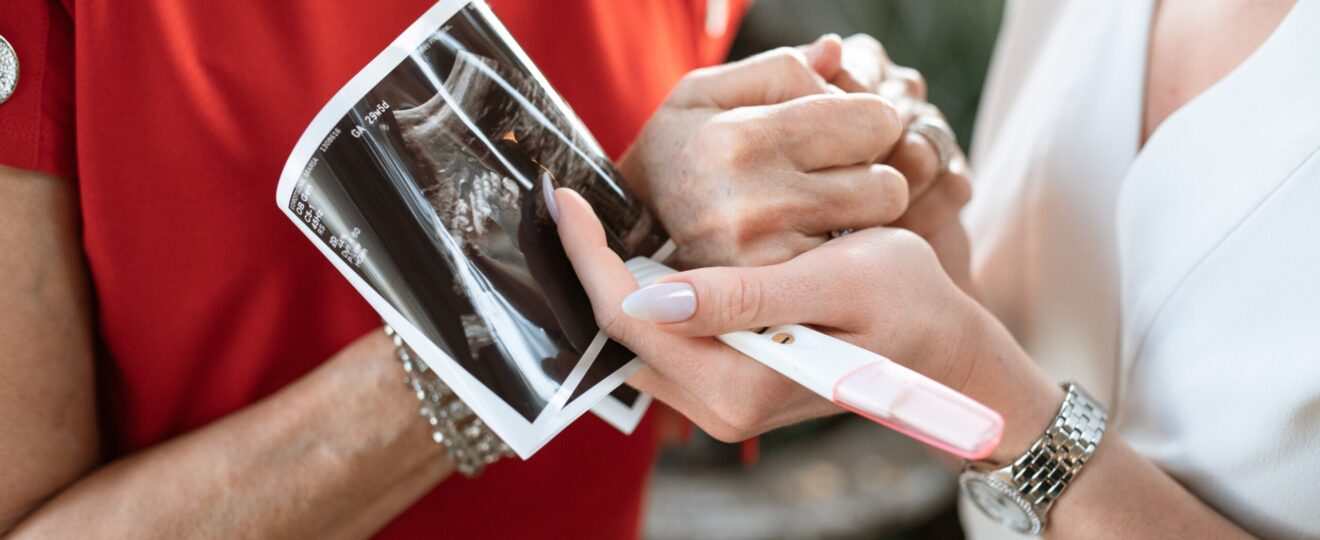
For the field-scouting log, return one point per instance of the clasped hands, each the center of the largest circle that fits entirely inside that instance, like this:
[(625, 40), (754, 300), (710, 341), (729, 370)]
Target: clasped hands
[(751, 166)]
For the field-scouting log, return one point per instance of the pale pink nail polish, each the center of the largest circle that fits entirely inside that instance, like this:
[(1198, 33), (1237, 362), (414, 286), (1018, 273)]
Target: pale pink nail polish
[(548, 190), (662, 303)]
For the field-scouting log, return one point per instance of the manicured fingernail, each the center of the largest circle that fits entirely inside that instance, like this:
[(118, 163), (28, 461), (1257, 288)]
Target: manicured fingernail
[(548, 189), (662, 303)]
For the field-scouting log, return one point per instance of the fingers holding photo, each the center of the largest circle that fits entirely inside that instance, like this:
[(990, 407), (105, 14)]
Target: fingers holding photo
[(727, 394), (880, 288)]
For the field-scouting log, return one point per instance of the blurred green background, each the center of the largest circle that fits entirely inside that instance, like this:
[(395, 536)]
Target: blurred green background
[(841, 477)]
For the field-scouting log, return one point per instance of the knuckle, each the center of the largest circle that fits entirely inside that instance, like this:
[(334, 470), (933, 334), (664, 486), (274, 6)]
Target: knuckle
[(692, 85), (737, 297), (895, 196), (728, 141), (740, 421), (906, 240), (915, 81), (904, 237), (741, 236), (728, 229), (788, 60), (749, 225), (915, 158), (917, 84), (882, 118), (610, 321), (865, 40), (746, 308), (959, 189), (719, 219), (875, 253), (792, 68)]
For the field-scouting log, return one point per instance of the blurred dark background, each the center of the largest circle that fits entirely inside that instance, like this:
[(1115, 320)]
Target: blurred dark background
[(949, 41), (841, 477)]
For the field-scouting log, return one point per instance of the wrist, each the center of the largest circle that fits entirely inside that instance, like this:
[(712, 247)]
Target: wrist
[(993, 369), (471, 444), (369, 374)]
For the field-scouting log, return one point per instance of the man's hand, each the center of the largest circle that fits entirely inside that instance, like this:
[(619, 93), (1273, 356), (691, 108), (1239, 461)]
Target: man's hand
[(936, 196), (756, 161)]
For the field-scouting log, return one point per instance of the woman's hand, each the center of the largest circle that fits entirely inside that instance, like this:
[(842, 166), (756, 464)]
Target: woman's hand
[(756, 161), (880, 288), (728, 395)]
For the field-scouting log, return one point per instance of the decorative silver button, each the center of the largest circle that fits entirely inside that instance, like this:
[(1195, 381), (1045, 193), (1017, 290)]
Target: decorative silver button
[(8, 70)]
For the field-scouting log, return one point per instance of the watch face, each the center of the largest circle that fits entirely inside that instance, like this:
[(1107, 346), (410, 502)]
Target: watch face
[(1000, 502)]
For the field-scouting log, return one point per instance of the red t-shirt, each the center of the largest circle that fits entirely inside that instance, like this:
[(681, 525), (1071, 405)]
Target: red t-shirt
[(174, 118)]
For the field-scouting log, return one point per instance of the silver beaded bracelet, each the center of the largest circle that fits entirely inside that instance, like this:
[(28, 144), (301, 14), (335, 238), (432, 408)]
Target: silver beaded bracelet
[(470, 442)]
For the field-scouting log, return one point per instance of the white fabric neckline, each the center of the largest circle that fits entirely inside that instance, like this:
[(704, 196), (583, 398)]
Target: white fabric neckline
[(1229, 78), (1144, 310)]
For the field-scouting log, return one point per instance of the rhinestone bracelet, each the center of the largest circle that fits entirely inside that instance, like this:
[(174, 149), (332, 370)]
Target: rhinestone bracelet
[(470, 442)]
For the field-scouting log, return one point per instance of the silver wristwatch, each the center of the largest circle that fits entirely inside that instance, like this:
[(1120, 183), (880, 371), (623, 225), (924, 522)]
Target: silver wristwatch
[(1018, 496)]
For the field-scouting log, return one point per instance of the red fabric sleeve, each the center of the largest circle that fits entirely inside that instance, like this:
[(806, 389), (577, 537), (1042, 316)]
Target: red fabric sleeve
[(37, 122)]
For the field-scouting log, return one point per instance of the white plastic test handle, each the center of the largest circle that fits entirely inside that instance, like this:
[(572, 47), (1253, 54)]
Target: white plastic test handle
[(864, 382)]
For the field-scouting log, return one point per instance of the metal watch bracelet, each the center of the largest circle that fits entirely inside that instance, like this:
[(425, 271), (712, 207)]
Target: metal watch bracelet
[(1058, 455), (1020, 495), (470, 442)]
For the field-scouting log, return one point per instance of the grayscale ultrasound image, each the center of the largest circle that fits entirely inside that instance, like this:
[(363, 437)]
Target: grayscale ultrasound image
[(436, 178)]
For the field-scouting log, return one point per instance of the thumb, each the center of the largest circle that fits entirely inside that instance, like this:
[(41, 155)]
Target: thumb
[(714, 301), (602, 273)]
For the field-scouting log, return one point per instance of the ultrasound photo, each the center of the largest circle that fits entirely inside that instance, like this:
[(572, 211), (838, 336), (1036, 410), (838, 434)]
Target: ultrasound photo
[(422, 182)]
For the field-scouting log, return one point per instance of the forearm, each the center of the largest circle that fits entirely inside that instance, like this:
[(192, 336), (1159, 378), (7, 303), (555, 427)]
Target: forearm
[(336, 454), (1119, 493), (48, 434)]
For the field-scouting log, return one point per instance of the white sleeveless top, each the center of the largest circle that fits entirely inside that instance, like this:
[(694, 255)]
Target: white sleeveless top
[(1179, 282)]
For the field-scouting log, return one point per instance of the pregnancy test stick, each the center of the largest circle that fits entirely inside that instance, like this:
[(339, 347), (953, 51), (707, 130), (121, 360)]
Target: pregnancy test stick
[(863, 382)]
